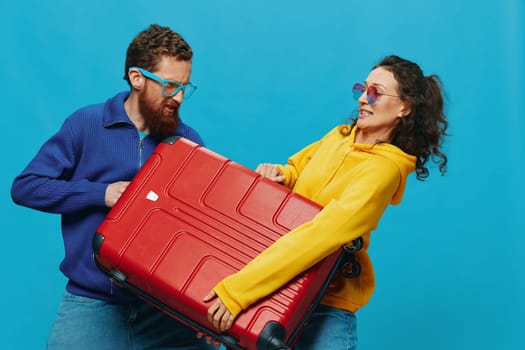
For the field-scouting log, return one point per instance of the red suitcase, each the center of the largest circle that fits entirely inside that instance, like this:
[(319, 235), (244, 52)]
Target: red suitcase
[(192, 217)]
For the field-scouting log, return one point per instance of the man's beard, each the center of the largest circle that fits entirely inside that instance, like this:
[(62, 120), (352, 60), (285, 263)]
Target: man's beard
[(159, 123)]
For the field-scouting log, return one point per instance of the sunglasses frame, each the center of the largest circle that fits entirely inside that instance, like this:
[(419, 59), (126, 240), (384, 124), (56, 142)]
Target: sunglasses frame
[(371, 93)]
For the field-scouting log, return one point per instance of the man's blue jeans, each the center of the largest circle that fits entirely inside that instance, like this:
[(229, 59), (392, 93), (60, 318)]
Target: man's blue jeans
[(84, 323), (329, 329)]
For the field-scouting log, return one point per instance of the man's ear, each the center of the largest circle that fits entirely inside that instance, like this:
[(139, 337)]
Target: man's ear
[(136, 79)]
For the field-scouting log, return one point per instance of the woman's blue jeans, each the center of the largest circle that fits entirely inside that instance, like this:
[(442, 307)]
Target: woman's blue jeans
[(84, 323), (329, 329)]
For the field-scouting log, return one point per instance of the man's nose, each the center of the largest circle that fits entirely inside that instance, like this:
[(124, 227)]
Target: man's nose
[(179, 96)]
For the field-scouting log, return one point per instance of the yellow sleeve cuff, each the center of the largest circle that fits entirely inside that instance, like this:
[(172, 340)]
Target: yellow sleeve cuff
[(287, 175), (233, 307)]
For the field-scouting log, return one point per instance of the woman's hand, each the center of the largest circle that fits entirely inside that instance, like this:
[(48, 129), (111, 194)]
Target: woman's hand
[(218, 314), (270, 171)]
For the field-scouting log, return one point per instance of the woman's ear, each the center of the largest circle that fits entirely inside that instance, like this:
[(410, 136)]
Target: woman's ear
[(136, 79), (405, 110)]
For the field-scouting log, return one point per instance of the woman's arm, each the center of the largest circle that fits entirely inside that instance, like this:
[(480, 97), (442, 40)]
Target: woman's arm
[(357, 211)]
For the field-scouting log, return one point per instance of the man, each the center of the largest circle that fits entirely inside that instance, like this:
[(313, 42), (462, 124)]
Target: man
[(82, 170)]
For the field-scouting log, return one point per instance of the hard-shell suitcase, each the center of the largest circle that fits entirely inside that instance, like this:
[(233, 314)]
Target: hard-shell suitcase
[(191, 217)]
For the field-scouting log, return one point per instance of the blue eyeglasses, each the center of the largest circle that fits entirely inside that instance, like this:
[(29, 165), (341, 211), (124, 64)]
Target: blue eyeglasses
[(169, 87)]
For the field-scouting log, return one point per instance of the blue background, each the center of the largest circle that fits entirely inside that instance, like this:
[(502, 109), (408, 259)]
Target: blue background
[(274, 76)]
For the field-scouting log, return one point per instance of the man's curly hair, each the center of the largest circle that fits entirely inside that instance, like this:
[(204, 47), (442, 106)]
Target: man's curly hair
[(150, 45)]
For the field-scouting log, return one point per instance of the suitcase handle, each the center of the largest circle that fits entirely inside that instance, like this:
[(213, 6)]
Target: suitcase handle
[(354, 246)]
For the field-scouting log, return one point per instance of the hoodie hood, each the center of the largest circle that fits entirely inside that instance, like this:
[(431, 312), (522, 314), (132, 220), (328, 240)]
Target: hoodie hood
[(406, 163)]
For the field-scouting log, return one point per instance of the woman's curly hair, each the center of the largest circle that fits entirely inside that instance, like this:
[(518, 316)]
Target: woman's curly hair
[(150, 45), (422, 132)]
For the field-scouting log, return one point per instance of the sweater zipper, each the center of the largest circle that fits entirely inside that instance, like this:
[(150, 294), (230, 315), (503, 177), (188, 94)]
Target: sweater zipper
[(141, 147)]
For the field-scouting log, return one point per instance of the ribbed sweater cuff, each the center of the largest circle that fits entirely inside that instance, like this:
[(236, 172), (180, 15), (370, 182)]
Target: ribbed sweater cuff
[(96, 195)]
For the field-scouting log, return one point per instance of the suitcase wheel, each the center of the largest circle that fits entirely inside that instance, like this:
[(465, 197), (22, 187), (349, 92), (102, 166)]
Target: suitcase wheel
[(117, 276), (351, 269)]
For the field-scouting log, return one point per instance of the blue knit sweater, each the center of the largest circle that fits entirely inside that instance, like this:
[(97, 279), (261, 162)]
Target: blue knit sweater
[(97, 145)]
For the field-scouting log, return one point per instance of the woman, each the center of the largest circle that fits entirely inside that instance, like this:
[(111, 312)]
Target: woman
[(355, 171)]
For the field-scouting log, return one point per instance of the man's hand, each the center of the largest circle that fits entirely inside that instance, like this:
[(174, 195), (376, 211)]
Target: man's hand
[(209, 339), (114, 191)]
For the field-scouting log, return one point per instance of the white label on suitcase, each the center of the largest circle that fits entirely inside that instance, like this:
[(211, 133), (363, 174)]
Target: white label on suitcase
[(152, 196)]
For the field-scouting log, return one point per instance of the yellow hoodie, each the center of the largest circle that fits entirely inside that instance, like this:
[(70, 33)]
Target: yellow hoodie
[(355, 183)]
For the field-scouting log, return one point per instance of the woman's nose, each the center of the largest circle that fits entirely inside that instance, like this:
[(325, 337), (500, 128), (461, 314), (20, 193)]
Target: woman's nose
[(363, 98)]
